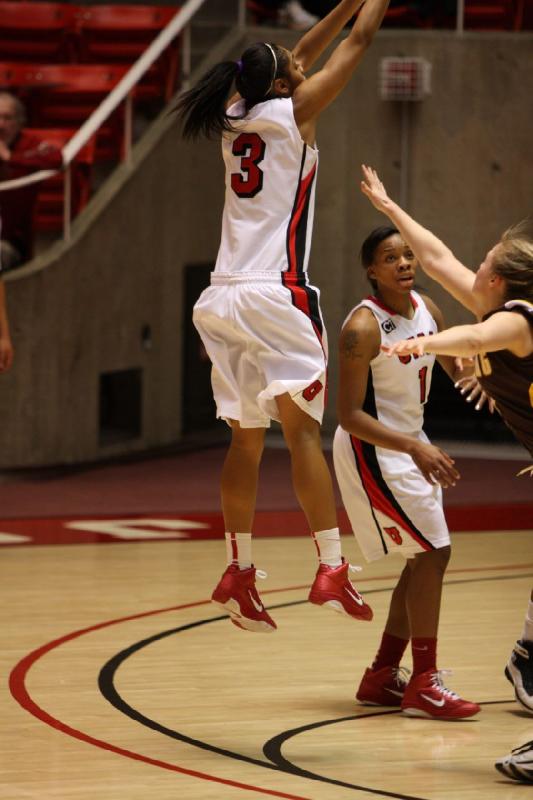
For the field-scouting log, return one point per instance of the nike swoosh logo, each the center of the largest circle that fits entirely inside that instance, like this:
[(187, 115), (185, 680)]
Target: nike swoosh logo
[(398, 694), (438, 703), (358, 600), (257, 606)]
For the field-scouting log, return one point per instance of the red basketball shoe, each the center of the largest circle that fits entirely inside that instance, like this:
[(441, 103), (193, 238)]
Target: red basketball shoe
[(384, 687), (333, 589), (236, 594), (426, 696)]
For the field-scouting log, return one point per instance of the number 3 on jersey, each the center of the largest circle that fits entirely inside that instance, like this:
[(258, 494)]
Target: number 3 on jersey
[(251, 150)]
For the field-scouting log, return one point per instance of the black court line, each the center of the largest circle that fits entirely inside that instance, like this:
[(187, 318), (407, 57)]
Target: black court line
[(272, 748)]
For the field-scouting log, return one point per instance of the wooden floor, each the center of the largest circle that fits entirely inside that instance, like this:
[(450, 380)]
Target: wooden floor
[(126, 684)]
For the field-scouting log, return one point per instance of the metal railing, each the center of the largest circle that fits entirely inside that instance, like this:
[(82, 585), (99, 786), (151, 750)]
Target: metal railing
[(123, 93)]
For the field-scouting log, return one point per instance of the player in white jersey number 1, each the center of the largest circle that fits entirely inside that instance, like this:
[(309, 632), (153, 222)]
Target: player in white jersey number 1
[(260, 319), (391, 477)]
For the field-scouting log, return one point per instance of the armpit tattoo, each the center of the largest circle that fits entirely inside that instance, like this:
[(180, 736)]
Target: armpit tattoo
[(349, 348)]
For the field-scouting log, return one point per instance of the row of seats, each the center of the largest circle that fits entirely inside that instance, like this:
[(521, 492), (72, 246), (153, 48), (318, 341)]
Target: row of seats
[(65, 95), (62, 60), (42, 32), (63, 32), (478, 14)]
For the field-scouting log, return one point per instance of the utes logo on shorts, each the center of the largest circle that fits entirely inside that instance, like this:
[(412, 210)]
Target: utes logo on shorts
[(311, 391), (394, 534)]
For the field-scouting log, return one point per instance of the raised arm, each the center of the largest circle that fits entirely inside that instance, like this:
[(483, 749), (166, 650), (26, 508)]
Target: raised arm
[(313, 95), (502, 331), (315, 41), (434, 257)]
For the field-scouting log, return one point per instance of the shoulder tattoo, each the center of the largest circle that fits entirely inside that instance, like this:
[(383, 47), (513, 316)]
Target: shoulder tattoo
[(350, 345)]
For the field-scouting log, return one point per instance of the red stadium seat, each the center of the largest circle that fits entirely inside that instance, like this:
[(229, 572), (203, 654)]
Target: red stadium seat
[(523, 15), (489, 15), (35, 31), (66, 95), (48, 213), (401, 15), (261, 13), (121, 33)]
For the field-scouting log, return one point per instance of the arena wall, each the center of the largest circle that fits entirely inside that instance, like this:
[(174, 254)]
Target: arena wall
[(112, 299)]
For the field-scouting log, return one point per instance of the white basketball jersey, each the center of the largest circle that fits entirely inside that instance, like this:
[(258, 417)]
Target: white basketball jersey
[(398, 387), (270, 188)]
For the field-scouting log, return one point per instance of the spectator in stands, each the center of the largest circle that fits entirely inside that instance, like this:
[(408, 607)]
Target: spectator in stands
[(20, 154)]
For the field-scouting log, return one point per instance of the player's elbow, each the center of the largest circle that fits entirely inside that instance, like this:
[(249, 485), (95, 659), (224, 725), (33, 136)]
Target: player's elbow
[(349, 421), (361, 38)]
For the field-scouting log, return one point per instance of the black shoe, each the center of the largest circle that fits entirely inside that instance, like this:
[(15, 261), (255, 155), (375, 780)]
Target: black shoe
[(518, 764), (519, 671)]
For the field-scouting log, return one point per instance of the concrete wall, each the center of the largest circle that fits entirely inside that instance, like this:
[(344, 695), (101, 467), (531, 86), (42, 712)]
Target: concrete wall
[(79, 310)]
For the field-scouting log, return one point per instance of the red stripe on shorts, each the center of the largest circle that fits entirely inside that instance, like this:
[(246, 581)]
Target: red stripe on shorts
[(379, 500)]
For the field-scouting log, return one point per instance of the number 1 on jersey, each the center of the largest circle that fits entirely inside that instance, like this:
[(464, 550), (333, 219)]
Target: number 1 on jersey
[(251, 149), (422, 378)]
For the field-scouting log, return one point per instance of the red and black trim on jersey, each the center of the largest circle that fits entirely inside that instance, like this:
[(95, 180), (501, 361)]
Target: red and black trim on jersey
[(379, 495), (294, 278), (391, 311)]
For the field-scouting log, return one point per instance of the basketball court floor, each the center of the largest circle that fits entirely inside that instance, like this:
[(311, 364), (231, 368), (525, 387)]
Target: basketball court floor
[(120, 681)]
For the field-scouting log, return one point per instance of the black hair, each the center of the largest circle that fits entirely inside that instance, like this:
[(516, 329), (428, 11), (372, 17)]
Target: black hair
[(203, 108), (371, 244)]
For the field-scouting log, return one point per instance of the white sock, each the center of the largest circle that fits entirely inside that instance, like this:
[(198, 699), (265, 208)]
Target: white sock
[(328, 544), (239, 549), (527, 633)]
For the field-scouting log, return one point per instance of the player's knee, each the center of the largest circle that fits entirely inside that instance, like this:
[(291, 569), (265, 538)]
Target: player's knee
[(434, 560)]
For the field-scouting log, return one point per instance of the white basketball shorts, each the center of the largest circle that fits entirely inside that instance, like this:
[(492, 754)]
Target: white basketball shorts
[(391, 506), (264, 339)]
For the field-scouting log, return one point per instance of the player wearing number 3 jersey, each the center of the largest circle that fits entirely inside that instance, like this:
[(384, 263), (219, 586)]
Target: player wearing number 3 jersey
[(390, 475), (260, 318)]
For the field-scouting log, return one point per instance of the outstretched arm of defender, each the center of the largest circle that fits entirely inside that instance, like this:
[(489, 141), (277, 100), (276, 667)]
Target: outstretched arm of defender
[(502, 331), (436, 259)]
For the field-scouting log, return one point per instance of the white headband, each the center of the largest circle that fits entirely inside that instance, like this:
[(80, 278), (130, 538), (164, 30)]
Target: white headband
[(275, 66)]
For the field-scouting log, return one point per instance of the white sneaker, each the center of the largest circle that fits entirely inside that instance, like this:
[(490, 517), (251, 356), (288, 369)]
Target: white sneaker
[(518, 764), (295, 17)]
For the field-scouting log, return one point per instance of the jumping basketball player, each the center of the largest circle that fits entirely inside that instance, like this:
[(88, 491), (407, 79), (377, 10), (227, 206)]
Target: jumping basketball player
[(260, 319)]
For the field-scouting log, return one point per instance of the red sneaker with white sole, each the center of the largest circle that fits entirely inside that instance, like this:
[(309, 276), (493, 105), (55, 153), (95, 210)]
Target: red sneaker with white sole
[(236, 594), (384, 687), (426, 696), (333, 589)]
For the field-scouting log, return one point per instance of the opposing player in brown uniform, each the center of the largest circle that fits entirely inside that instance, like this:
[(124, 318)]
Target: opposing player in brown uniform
[(500, 294)]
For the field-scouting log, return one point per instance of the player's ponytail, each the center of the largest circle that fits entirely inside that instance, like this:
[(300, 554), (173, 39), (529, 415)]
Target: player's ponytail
[(203, 108)]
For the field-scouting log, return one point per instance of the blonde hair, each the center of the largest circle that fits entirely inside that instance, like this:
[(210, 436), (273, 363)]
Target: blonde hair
[(513, 261)]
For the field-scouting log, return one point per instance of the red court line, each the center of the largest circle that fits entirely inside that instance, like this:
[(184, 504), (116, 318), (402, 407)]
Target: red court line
[(17, 686), (55, 530)]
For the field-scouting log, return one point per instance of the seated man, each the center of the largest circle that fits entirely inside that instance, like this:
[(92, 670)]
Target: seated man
[(20, 154)]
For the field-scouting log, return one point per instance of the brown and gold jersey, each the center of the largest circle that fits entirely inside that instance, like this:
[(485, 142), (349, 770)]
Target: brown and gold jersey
[(508, 379)]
